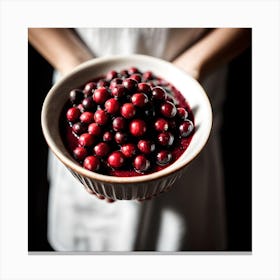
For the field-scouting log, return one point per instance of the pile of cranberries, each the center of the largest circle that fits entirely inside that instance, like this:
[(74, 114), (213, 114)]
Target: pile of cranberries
[(127, 123)]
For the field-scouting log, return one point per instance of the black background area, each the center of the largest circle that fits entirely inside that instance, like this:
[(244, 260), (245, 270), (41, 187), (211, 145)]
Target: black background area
[(236, 141)]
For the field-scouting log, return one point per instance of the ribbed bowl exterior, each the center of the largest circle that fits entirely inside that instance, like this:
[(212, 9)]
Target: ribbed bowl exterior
[(129, 191)]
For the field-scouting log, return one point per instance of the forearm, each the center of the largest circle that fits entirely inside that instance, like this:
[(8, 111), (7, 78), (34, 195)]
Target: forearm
[(216, 48), (60, 47)]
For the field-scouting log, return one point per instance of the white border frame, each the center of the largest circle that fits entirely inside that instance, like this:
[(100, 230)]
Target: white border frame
[(17, 16)]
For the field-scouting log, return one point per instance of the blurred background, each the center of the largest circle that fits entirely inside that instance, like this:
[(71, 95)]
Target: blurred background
[(236, 142)]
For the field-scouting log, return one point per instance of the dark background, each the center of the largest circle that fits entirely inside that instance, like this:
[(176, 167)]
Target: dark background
[(236, 137)]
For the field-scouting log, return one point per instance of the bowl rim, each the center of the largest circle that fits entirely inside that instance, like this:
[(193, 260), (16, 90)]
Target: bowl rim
[(107, 178)]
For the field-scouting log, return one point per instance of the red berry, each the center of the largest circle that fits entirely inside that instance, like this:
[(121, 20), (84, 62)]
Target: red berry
[(133, 70), (76, 96), (128, 110), (101, 149), (119, 124), (163, 157), (130, 84), (87, 117), (118, 91), (141, 163), (120, 137), (146, 146), (129, 150), (116, 159), (91, 163), (112, 106), (137, 127), (73, 114), (115, 82), (80, 153), (88, 103), (186, 128), (86, 139), (161, 125), (100, 117), (168, 109), (139, 99), (148, 75), (182, 113), (136, 77), (158, 93), (108, 136), (111, 75), (144, 87), (94, 129), (165, 138), (89, 87), (100, 95), (79, 128)]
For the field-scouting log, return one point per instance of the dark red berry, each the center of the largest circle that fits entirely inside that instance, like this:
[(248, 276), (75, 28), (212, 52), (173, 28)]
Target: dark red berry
[(165, 138), (115, 82), (136, 77), (158, 93), (168, 109), (119, 124), (129, 150), (89, 87), (94, 129), (116, 159), (112, 106), (88, 103), (101, 149), (182, 113), (80, 153), (146, 146), (124, 73), (111, 75), (108, 136), (137, 127), (79, 128), (161, 125), (128, 110), (133, 70), (103, 83), (86, 140), (87, 117), (130, 84), (76, 96), (141, 163), (144, 87), (118, 91), (163, 157), (120, 137), (73, 114), (91, 163), (139, 99), (148, 75), (100, 117), (186, 128), (100, 95)]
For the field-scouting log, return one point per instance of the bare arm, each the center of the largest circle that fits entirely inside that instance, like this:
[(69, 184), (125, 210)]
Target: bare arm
[(60, 47), (216, 48)]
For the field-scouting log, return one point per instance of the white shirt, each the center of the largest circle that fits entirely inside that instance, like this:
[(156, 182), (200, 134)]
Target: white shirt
[(189, 217)]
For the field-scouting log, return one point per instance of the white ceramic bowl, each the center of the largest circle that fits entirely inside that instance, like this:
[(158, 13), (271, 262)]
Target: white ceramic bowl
[(139, 187)]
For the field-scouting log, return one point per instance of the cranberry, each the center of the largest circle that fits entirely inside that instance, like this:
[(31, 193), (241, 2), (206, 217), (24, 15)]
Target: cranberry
[(115, 82), (100, 95), (136, 77), (186, 128), (73, 114), (146, 146), (182, 113), (103, 83), (137, 127), (141, 163), (165, 138), (119, 124), (86, 139), (108, 136), (94, 129), (91, 163), (128, 110), (144, 87), (148, 75), (129, 150), (118, 91), (130, 84), (79, 128), (87, 117), (163, 157), (101, 149), (111, 75), (133, 70), (139, 99), (80, 153), (168, 109), (124, 73), (89, 87), (88, 103), (116, 159), (112, 106), (76, 96), (100, 117), (158, 93), (161, 125), (120, 137)]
